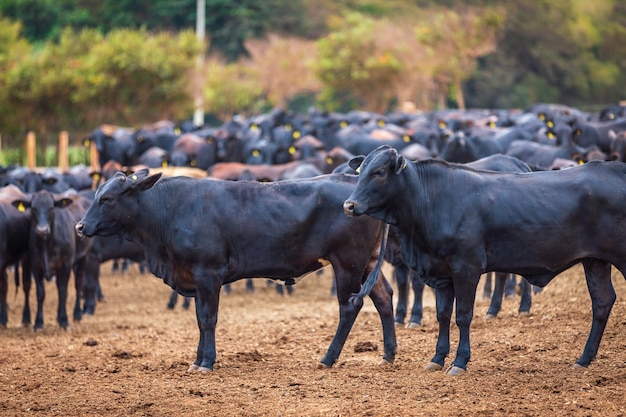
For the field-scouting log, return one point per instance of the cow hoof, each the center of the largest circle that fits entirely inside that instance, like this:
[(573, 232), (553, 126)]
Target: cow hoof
[(578, 366), (432, 366), (455, 370), (399, 325), (385, 362), (193, 368), (322, 365), (523, 314), (489, 316), (414, 325), (204, 369)]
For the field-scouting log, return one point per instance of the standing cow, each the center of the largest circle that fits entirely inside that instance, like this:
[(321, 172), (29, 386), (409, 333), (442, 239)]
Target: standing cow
[(456, 223), (199, 234), (54, 248)]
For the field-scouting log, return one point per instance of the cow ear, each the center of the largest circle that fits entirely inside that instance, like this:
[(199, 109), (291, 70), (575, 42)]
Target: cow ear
[(63, 203), (400, 164), (143, 184), (356, 162), (21, 205)]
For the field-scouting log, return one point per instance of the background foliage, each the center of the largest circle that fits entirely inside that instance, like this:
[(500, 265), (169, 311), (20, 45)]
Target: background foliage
[(74, 64)]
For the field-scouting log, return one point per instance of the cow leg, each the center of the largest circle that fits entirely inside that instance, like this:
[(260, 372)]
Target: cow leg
[(598, 275), (382, 297), (348, 312), (400, 276), (63, 278), (497, 296), (171, 302), (90, 285), (4, 316), (527, 297), (249, 285), (417, 310), (465, 290), (41, 296), (79, 283), (444, 297), (487, 287), (509, 285), (186, 303), (207, 300), (26, 285)]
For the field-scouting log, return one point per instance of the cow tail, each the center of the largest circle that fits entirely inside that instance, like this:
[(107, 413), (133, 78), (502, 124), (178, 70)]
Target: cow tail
[(371, 279)]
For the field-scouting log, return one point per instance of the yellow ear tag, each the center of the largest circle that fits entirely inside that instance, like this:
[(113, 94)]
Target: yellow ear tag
[(96, 177), (21, 207), (292, 150), (86, 143), (550, 123), (381, 123), (541, 116), (288, 126), (578, 132), (442, 124), (403, 163), (406, 138), (256, 153), (177, 130), (296, 134), (343, 123), (329, 160), (611, 116), (192, 162), (133, 177), (209, 139), (581, 162), (358, 170), (551, 135), (139, 139), (254, 126), (164, 164), (492, 124)]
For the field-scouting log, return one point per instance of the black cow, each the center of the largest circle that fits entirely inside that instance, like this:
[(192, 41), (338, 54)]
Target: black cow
[(458, 223), (199, 234), (597, 134), (404, 275), (14, 228), (113, 143), (54, 248)]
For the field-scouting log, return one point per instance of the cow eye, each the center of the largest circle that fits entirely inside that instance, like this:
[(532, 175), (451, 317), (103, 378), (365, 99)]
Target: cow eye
[(105, 199), (380, 173)]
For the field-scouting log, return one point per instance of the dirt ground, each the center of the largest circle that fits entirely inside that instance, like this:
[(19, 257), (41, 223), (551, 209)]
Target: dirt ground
[(131, 358)]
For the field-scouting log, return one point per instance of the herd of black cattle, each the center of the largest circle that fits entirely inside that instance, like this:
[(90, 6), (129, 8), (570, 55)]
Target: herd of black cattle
[(528, 192)]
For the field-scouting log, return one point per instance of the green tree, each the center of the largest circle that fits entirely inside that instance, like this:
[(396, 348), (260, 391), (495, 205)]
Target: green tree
[(351, 60), (231, 88), (455, 40)]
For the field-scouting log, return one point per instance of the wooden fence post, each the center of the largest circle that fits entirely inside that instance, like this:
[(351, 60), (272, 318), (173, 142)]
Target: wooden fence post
[(63, 153), (93, 157), (31, 150)]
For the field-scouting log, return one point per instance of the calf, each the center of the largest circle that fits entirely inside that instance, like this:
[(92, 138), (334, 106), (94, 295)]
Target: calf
[(199, 234), (456, 223), (54, 248)]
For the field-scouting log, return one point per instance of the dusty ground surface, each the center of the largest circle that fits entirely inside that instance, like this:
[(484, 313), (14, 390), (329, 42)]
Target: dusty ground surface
[(269, 346)]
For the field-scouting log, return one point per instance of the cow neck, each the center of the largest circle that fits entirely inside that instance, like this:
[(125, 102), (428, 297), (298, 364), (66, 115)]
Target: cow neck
[(153, 209)]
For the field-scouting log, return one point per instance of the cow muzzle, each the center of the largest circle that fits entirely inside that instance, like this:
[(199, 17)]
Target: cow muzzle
[(349, 207), (80, 229)]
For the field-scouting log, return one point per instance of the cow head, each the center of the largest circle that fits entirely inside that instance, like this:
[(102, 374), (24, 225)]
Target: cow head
[(114, 207), (377, 183), (42, 206)]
